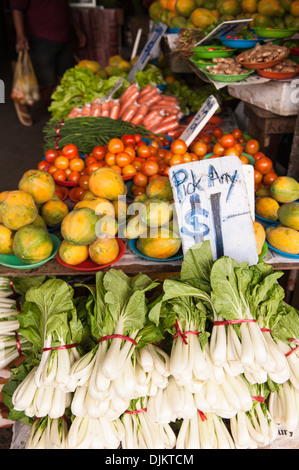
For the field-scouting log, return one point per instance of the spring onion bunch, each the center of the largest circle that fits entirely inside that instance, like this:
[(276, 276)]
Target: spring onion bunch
[(204, 431), (88, 433), (104, 379), (46, 433), (141, 432), (49, 321), (254, 428)]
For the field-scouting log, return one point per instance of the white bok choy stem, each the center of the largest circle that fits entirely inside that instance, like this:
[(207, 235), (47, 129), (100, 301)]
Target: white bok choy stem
[(46, 433), (283, 406), (292, 356), (87, 433)]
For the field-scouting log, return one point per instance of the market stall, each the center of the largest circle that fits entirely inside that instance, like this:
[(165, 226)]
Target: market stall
[(140, 269)]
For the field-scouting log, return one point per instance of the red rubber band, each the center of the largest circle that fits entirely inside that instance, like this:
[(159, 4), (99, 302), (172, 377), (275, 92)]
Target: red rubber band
[(134, 412), (63, 346), (293, 340), (58, 136), (260, 399), (266, 330), (18, 344), (126, 338), (231, 322), (202, 415), (12, 287), (183, 334)]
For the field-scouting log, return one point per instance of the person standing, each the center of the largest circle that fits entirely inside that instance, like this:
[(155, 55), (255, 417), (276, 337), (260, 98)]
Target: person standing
[(45, 28)]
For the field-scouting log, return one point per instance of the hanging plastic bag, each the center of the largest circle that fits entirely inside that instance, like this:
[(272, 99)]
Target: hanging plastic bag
[(25, 88)]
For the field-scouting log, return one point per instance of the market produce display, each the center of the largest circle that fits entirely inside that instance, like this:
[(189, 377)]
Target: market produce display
[(267, 15), (211, 383)]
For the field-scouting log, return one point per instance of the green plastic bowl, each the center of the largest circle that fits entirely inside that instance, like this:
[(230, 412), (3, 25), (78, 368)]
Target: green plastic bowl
[(275, 33), (11, 261), (202, 52), (227, 78)]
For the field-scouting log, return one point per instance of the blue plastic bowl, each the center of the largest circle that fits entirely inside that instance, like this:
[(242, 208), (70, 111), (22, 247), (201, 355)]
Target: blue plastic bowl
[(240, 43)]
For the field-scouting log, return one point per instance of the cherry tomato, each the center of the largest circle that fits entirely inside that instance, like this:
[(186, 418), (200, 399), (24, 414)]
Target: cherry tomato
[(187, 158), (116, 145), (99, 152), (257, 177), (59, 175), (137, 138), (61, 162), (237, 133), (90, 160), (252, 146), (137, 190), (231, 151), (122, 159), (263, 165), (52, 169), (128, 170), (227, 140), (140, 179), (137, 165), (116, 168), (79, 193), (93, 167), (77, 164), (176, 159), (179, 146), (50, 155), (130, 150), (244, 159), (218, 149), (128, 139), (70, 151), (258, 155), (200, 148), (143, 151), (269, 178), (239, 148), (43, 165), (153, 177), (217, 132), (150, 168), (194, 157), (162, 152), (84, 182), (74, 176), (205, 137), (110, 158)]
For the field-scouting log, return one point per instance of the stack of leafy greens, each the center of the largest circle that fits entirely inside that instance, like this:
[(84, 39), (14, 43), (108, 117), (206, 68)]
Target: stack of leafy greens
[(79, 85)]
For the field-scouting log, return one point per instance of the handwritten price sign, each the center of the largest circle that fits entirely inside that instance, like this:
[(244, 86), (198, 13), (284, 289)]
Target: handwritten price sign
[(154, 38), (212, 203)]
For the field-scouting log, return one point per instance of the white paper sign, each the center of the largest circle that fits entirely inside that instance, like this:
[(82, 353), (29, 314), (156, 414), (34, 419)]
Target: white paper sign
[(224, 29), (154, 38), (200, 119), (212, 203)]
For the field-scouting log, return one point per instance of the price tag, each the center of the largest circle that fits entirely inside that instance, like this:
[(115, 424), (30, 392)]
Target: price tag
[(212, 203), (205, 113), (154, 38), (224, 29)]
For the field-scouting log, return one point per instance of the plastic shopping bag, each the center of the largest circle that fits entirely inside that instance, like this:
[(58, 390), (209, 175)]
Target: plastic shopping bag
[(25, 88)]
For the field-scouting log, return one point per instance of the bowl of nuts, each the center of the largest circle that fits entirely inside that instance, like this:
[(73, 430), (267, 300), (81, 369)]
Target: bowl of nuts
[(226, 69), (262, 57), (284, 70)]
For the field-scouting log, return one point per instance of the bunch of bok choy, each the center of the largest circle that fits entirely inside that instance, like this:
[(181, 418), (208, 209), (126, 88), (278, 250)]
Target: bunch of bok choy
[(46, 433)]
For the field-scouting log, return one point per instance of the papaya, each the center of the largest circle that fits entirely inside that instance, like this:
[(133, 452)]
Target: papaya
[(156, 212), (260, 236), (263, 21), (170, 15), (249, 6), (287, 4), (107, 183), (120, 209), (90, 64), (270, 8), (284, 239), (202, 18), (162, 246), (134, 228), (171, 5), (53, 212), (164, 15), (263, 191), (185, 7), (39, 222), (73, 254), (32, 244), (163, 4), (177, 21), (294, 8), (100, 205), (107, 225), (285, 189), (17, 209), (39, 184), (200, 3), (6, 240), (103, 250), (267, 207), (159, 187), (79, 226), (288, 215), (230, 7), (210, 4)]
